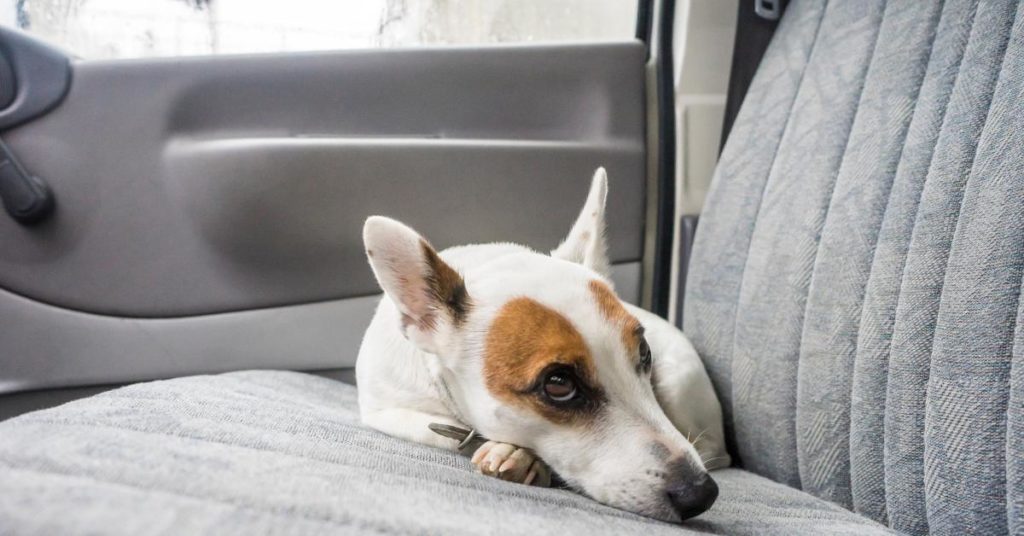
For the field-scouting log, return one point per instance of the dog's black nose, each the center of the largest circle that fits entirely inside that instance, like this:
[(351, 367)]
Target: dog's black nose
[(692, 497)]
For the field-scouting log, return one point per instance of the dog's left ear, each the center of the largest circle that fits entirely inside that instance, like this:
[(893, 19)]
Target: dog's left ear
[(586, 243), (430, 295)]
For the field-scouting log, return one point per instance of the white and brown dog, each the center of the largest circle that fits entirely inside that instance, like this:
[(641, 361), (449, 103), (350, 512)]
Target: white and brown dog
[(537, 353)]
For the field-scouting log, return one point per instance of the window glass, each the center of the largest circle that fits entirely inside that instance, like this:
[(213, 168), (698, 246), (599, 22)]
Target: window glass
[(95, 29)]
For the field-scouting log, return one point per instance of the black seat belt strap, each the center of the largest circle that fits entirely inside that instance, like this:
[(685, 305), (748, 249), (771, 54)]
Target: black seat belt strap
[(755, 26)]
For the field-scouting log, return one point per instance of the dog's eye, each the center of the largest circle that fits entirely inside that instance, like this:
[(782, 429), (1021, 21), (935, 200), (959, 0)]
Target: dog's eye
[(560, 386), (645, 354)]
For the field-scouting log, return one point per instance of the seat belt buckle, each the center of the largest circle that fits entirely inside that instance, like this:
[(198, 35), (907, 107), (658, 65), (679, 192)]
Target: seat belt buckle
[(768, 9)]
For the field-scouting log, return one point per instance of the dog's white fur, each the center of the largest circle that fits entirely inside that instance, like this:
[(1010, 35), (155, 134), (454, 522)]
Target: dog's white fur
[(434, 373)]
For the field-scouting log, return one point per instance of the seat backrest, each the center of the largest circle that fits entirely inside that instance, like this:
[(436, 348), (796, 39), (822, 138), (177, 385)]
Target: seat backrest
[(855, 281)]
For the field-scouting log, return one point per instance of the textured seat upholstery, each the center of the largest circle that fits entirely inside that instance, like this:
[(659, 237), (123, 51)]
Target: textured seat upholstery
[(854, 290), (855, 282), (282, 452)]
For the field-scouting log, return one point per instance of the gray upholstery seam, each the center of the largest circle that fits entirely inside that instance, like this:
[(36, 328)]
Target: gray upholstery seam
[(327, 421), (584, 505), (906, 252), (1006, 420), (817, 510), (817, 251), (129, 394), (321, 414), (453, 482), (812, 514), (738, 460), (54, 422), (1017, 301), (973, 151), (1011, 523), (835, 518), (881, 222), (325, 414), (972, 155)]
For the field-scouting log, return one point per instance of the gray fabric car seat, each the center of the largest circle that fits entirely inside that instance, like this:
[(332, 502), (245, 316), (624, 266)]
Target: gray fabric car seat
[(856, 278), (854, 290), (273, 452)]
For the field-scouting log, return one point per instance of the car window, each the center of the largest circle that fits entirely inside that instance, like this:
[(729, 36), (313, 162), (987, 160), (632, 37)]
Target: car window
[(97, 29)]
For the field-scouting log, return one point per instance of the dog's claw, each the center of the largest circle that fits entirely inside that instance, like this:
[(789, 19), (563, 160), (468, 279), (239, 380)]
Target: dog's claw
[(511, 463)]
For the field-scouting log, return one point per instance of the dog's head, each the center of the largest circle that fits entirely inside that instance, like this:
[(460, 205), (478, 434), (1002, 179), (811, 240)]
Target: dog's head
[(538, 351)]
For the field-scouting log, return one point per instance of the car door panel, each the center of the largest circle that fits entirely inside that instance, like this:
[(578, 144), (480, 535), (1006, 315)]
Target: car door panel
[(209, 210), (205, 185)]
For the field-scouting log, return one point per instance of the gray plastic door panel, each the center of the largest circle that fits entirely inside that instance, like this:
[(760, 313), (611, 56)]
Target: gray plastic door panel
[(209, 210)]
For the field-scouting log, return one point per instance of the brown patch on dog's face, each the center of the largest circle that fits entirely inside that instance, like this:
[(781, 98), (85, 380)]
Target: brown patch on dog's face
[(445, 285), (527, 342), (613, 311)]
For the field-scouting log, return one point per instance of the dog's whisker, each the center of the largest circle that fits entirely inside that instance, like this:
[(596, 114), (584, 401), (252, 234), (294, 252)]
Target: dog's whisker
[(709, 460)]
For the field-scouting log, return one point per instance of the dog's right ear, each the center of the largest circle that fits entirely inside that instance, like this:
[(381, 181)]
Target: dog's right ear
[(430, 295)]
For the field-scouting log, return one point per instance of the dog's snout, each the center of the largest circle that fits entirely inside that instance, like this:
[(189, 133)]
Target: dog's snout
[(692, 496)]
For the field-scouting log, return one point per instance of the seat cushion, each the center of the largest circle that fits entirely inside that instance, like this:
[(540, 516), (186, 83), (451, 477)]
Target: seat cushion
[(271, 451)]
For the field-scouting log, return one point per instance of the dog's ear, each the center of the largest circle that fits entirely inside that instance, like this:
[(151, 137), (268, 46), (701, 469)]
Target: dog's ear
[(586, 243), (430, 295)]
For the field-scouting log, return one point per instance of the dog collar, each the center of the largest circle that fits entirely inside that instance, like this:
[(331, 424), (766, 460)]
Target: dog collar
[(469, 440)]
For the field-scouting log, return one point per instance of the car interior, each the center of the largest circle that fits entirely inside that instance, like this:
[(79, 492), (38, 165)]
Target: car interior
[(826, 197)]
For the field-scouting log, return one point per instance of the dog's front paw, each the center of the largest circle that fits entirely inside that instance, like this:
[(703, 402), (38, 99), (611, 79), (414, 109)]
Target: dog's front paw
[(511, 463)]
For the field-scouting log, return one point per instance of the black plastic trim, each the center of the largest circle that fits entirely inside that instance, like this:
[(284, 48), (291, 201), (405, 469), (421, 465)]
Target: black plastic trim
[(645, 22), (8, 85), (26, 197), (42, 77), (21, 402), (662, 274), (687, 231), (753, 34)]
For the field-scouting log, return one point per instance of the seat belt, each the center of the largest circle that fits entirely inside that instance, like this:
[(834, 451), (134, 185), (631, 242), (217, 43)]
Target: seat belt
[(755, 25)]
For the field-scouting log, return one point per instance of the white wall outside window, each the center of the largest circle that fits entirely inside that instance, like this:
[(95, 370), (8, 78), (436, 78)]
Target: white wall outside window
[(702, 50), (104, 29)]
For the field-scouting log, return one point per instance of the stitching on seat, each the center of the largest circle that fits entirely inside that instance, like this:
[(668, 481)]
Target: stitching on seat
[(971, 153), (757, 215), (906, 252), (56, 422), (564, 502), (973, 150), (867, 282), (1012, 524), (837, 455), (957, 238)]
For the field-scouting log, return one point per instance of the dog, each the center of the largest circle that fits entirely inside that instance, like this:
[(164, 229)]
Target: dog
[(537, 353)]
